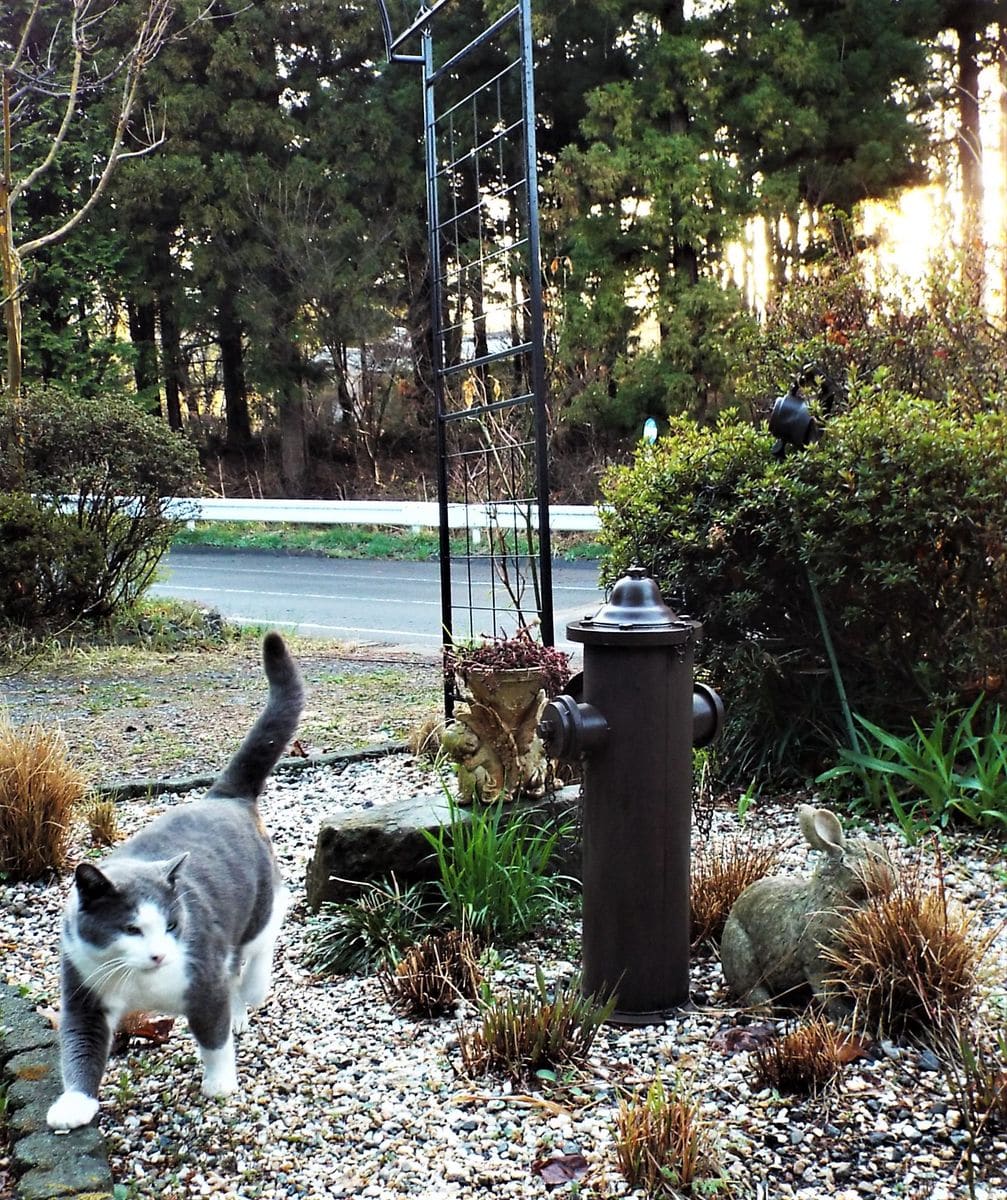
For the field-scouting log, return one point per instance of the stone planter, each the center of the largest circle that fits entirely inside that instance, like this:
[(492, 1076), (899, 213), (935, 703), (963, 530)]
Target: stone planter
[(493, 734)]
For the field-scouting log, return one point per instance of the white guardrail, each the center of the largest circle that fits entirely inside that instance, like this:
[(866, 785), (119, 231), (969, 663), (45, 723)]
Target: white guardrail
[(413, 514)]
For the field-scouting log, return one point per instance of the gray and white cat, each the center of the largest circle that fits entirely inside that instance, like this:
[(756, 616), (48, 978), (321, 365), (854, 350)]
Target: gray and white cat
[(181, 918)]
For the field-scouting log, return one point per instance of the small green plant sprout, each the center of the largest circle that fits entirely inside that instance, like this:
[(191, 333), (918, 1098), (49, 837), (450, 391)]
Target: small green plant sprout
[(804, 1060), (372, 930), (912, 960), (39, 789), (494, 874), (432, 977), (746, 800), (664, 1145), (928, 780), (721, 870), (530, 1034)]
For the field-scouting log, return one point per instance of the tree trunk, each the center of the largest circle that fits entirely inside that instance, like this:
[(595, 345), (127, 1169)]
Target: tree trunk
[(170, 352), (142, 316), (970, 158), (232, 368), (293, 439)]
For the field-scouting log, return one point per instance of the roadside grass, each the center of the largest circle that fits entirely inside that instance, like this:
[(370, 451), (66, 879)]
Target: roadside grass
[(353, 541)]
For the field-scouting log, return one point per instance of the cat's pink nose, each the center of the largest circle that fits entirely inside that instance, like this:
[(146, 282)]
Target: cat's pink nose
[(157, 959)]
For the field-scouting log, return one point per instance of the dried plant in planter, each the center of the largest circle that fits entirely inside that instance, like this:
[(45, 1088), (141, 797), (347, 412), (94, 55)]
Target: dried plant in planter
[(911, 960), (39, 788), (432, 976), (521, 1035), (721, 870), (803, 1060), (664, 1145), (504, 684)]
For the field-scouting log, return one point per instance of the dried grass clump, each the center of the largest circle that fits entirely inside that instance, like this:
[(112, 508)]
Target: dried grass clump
[(424, 740), (102, 817), (912, 960), (804, 1060), (520, 1035), (664, 1146), (432, 976), (39, 788), (721, 870)]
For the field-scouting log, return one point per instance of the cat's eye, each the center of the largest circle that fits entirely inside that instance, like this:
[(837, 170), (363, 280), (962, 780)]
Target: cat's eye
[(172, 925), (132, 930)]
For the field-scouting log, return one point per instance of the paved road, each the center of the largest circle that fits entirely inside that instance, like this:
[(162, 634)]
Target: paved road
[(362, 600)]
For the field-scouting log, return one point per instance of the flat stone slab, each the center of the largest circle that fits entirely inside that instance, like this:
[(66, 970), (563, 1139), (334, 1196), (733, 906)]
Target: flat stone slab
[(46, 1164), (359, 847)]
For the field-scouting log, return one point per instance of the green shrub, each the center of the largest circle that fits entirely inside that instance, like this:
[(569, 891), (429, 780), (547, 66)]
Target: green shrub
[(898, 515), (86, 518), (370, 931)]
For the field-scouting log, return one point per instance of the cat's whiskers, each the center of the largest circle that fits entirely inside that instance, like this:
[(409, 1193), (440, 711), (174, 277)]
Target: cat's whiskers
[(115, 971)]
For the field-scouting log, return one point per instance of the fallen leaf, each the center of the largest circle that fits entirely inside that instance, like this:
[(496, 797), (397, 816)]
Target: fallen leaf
[(298, 749), (742, 1037), (851, 1048), (50, 1015), (556, 1171)]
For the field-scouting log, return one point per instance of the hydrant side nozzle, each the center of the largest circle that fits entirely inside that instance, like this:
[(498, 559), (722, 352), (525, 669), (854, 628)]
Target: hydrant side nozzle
[(707, 715), (569, 729)]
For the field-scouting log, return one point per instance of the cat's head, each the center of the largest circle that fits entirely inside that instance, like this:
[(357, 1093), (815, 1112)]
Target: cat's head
[(130, 911)]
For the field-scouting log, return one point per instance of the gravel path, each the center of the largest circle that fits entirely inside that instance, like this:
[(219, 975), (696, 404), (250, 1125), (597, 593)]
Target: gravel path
[(342, 1097)]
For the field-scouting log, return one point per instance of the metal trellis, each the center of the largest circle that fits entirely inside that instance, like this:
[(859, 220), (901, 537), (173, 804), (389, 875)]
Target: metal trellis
[(486, 315)]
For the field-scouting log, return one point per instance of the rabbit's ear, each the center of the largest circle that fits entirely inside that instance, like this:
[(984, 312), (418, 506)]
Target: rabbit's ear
[(821, 829)]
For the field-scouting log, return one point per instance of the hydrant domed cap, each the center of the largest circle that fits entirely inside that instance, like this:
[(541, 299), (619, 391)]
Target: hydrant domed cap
[(635, 600), (635, 607)]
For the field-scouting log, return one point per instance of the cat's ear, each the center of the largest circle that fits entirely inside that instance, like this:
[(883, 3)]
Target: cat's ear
[(92, 885), (174, 866)]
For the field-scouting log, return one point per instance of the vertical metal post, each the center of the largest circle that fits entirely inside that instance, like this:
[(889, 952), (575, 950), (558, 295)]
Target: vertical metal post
[(437, 344), (538, 327)]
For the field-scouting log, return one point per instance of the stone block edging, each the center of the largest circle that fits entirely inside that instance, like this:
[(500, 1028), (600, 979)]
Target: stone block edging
[(46, 1164)]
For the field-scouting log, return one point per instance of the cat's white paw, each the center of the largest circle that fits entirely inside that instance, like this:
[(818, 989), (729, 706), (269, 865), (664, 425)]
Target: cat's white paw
[(239, 1019), (71, 1110), (219, 1085)]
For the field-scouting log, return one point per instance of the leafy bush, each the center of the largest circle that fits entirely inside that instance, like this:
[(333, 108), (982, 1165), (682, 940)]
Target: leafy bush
[(936, 345), (898, 516), (39, 788), (86, 520), (928, 779)]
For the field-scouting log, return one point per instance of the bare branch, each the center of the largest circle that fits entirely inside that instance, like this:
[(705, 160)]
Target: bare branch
[(150, 39)]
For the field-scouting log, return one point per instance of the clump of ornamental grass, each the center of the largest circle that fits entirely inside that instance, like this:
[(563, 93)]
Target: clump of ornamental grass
[(804, 1060), (912, 960), (432, 977), (39, 789), (370, 931), (102, 818), (664, 1144), (721, 870), (527, 1034)]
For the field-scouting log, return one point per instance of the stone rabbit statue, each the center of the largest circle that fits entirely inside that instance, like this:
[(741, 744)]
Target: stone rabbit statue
[(772, 943)]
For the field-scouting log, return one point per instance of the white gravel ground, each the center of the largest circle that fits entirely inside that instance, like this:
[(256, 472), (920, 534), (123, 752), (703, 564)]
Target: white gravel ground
[(343, 1097)]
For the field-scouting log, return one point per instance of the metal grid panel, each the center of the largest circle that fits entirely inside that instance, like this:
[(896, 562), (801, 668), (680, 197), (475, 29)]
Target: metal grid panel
[(482, 195)]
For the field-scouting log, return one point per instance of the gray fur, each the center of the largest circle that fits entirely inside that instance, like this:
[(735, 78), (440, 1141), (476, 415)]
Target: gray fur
[(169, 920)]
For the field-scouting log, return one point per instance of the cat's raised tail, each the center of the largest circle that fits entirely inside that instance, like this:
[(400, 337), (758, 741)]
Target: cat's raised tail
[(245, 775)]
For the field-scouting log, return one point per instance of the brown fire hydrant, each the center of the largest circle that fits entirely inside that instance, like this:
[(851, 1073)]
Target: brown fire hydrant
[(640, 716)]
